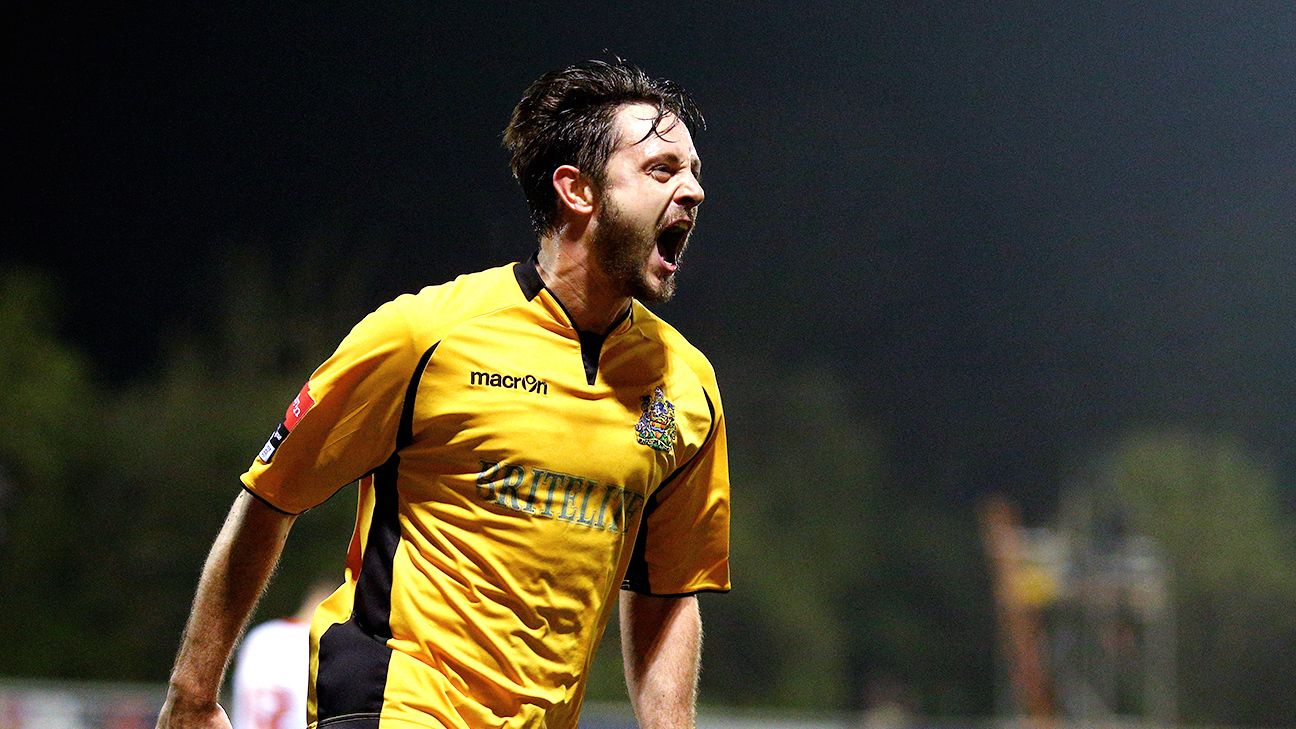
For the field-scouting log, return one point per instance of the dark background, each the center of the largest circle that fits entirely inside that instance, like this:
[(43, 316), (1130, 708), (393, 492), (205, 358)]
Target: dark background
[(1013, 232), (1016, 228)]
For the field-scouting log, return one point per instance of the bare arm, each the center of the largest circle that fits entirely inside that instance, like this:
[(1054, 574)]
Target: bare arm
[(237, 570), (661, 646)]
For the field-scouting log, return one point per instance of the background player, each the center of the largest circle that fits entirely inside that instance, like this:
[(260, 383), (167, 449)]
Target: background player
[(272, 669)]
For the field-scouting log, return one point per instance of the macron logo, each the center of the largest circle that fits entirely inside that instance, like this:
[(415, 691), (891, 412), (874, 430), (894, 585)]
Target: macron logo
[(509, 382)]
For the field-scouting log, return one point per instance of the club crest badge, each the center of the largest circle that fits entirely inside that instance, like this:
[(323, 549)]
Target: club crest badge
[(656, 428)]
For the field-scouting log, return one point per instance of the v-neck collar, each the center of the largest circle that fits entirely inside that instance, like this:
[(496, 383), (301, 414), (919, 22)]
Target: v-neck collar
[(528, 277)]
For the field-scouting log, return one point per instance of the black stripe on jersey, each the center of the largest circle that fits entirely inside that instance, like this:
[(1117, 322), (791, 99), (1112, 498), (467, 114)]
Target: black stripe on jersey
[(354, 656), (405, 435), (373, 587), (636, 577)]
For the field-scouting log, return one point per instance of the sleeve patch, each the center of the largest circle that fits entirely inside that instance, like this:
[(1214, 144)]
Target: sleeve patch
[(298, 408), (272, 445)]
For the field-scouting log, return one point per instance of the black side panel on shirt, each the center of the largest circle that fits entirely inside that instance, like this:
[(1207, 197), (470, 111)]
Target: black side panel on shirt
[(636, 577), (352, 676), (354, 656), (372, 611)]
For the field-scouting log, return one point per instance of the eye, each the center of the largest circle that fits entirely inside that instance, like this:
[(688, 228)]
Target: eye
[(661, 173)]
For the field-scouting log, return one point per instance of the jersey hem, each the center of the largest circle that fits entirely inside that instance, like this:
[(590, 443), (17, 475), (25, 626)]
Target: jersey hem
[(365, 721), (690, 593), (262, 499), (355, 721)]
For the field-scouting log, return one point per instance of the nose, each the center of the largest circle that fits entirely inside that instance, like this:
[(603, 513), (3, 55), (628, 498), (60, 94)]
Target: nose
[(690, 193)]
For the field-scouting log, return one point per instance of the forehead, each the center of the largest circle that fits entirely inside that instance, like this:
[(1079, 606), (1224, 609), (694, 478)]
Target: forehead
[(634, 125)]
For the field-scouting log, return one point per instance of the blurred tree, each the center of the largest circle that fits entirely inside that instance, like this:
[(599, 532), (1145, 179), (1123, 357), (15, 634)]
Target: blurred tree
[(113, 498), (1215, 511), (842, 576), (173, 446), (48, 403), (46, 389)]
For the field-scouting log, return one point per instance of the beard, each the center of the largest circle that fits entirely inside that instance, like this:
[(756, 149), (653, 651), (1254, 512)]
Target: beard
[(621, 250)]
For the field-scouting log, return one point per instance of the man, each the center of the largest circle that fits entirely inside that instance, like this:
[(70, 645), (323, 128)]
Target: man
[(528, 440)]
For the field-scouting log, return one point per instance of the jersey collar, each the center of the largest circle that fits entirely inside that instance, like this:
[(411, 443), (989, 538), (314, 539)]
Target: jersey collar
[(527, 274)]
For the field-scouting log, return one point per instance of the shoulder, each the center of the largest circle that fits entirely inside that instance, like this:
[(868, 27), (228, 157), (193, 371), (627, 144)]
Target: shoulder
[(430, 313), (670, 339)]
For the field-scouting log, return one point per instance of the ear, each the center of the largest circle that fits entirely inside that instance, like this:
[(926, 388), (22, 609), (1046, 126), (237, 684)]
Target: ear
[(575, 190)]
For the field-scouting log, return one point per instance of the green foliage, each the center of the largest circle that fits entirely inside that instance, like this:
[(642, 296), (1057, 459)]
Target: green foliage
[(49, 413), (45, 390), (807, 491), (1210, 503), (842, 576), (172, 454), (114, 497), (1214, 509)]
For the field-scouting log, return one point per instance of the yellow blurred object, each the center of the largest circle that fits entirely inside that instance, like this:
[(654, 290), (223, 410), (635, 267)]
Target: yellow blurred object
[(1035, 585)]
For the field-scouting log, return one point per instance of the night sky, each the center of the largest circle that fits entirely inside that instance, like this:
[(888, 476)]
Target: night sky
[(1014, 229)]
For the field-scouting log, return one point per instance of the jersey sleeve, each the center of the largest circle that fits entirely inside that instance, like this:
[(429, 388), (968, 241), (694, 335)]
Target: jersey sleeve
[(683, 542), (344, 422)]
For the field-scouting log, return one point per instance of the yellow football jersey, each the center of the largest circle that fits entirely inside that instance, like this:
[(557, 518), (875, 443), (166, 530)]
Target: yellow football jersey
[(514, 473)]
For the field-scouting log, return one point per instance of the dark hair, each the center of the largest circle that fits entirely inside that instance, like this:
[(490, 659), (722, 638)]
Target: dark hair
[(565, 118)]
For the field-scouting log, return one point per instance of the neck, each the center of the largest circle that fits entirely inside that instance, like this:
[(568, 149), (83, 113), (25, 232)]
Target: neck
[(569, 271)]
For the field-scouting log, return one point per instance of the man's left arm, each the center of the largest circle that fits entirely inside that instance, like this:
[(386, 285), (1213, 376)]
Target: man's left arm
[(661, 647)]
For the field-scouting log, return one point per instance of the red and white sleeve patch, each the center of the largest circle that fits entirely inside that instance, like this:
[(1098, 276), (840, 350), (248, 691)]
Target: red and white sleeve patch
[(299, 407)]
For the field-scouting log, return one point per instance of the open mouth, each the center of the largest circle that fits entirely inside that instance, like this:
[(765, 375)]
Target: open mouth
[(672, 241)]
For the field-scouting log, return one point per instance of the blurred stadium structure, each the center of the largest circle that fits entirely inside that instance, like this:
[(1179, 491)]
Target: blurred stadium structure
[(1084, 609), (78, 705), (84, 705)]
